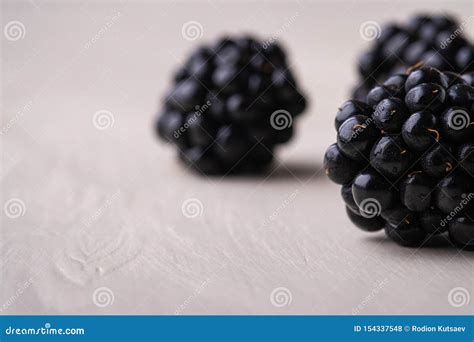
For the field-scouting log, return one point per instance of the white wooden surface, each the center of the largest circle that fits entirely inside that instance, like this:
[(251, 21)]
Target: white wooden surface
[(103, 208)]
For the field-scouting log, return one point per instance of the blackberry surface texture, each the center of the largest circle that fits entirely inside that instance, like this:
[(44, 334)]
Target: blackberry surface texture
[(405, 158), (230, 105), (436, 40)]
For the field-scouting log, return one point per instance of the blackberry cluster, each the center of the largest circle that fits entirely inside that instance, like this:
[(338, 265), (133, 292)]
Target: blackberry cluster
[(405, 157), (230, 105), (436, 40)]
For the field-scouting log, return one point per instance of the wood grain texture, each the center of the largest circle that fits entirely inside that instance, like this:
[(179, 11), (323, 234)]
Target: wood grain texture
[(104, 208)]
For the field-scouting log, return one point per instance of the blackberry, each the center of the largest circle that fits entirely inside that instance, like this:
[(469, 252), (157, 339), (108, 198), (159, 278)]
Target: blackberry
[(230, 105), (406, 161), (436, 40)]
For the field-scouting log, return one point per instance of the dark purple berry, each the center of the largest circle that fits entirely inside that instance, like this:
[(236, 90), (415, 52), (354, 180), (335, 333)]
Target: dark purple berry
[(339, 168), (356, 136), (367, 224), (425, 96), (230, 105), (420, 131)]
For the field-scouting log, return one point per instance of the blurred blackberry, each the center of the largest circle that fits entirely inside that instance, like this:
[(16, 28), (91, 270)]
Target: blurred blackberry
[(230, 105), (405, 159), (436, 41)]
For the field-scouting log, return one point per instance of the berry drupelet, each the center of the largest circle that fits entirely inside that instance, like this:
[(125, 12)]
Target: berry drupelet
[(437, 40), (230, 105), (405, 157)]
